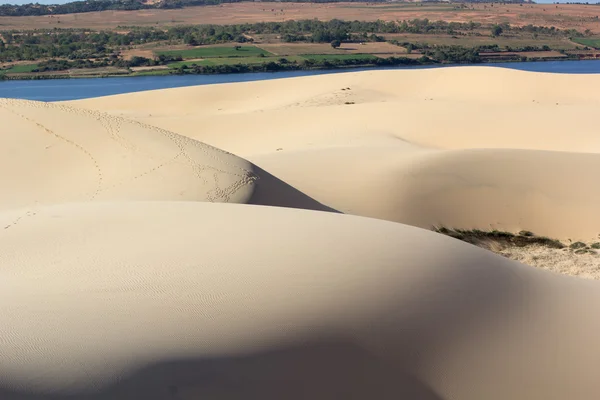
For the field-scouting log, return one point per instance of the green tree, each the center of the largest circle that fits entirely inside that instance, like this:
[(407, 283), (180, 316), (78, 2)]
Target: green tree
[(336, 44), (189, 39), (497, 30)]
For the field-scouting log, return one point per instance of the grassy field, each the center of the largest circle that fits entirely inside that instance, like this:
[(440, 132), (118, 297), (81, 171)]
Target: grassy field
[(210, 52), (21, 68), (472, 41), (331, 57), (590, 42)]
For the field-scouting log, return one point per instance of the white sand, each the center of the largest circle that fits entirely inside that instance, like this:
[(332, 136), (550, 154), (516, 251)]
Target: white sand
[(141, 300), (468, 147), (119, 279), (55, 153)]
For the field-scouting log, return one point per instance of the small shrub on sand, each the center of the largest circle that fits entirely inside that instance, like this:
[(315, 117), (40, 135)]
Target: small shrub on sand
[(578, 245), (476, 236), (595, 245)]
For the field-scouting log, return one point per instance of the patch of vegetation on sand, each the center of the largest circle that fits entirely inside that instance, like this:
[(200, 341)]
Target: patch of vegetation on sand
[(522, 239), (210, 52)]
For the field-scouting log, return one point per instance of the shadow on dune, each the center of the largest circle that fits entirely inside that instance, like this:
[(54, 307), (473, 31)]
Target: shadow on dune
[(318, 370), (436, 316), (447, 309), (272, 191)]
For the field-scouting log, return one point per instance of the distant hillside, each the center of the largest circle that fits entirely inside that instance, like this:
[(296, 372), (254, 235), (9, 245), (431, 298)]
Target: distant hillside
[(13, 10), (93, 5)]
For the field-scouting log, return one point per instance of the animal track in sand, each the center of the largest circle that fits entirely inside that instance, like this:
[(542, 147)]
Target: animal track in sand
[(114, 126), (62, 138), (338, 97), (29, 213)]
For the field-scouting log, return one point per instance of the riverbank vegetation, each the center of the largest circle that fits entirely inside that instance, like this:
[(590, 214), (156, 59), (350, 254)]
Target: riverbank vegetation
[(275, 46)]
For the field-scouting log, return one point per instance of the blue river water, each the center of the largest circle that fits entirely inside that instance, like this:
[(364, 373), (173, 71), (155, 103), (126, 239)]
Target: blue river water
[(73, 89)]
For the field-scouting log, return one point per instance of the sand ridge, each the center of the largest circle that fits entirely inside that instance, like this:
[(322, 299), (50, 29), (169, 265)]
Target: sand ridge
[(53, 153), (96, 141)]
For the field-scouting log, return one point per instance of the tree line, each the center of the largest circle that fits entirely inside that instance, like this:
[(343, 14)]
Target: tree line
[(85, 44)]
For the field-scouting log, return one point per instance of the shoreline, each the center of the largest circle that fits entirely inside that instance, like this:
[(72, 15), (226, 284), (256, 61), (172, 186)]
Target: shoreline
[(406, 63)]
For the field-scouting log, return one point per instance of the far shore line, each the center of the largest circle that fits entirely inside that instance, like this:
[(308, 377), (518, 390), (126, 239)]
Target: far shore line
[(233, 71)]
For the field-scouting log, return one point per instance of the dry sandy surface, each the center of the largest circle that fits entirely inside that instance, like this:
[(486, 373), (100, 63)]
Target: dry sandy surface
[(564, 261), (470, 148), (188, 300), (215, 262), (465, 147), (54, 153)]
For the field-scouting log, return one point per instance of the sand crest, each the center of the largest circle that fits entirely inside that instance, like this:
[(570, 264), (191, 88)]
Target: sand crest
[(55, 153)]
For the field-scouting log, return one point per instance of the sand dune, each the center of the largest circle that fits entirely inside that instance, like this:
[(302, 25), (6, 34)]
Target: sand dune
[(423, 147), (550, 193), (176, 300), (119, 279), (54, 153), (448, 108)]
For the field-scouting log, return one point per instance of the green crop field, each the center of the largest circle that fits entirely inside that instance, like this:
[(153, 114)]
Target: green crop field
[(211, 52), (20, 69), (331, 57), (590, 42), (556, 43)]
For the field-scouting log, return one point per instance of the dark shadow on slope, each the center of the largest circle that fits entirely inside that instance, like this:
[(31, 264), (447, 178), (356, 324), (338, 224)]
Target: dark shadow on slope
[(467, 293), (272, 191), (324, 369)]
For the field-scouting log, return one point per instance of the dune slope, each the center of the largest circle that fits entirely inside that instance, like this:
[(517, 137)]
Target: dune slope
[(54, 153), (550, 193), (466, 147), (445, 108), (181, 300)]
